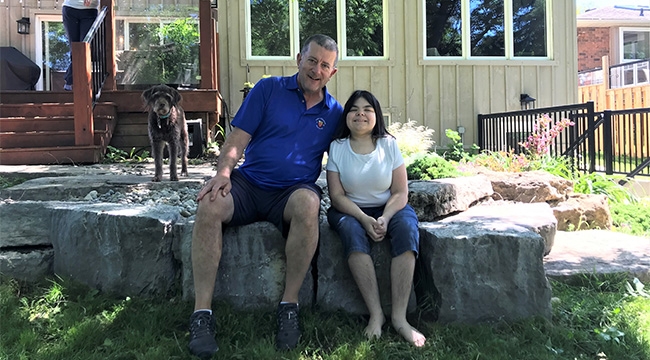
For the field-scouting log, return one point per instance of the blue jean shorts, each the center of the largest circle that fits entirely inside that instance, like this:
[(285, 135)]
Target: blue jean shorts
[(402, 232), (253, 203)]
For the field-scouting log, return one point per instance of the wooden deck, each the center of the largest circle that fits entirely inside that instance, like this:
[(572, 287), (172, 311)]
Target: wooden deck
[(38, 127)]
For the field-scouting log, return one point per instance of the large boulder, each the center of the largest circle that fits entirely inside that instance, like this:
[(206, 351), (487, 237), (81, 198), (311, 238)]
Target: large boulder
[(529, 186), (438, 198), (252, 268), (337, 289), (122, 249), (32, 265), (24, 224), (583, 212), (538, 217), (485, 270)]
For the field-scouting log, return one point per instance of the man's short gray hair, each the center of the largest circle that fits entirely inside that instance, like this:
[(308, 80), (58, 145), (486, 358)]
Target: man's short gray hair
[(322, 40)]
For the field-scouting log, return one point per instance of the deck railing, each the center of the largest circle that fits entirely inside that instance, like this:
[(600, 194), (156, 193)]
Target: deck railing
[(89, 73)]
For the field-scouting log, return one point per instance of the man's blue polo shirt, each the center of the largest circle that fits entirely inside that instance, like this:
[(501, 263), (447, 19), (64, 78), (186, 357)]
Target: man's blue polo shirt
[(287, 140)]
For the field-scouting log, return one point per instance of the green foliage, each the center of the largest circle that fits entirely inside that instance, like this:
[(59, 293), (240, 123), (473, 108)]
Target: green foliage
[(455, 149), (59, 319), (412, 139), (115, 155), (631, 218), (6, 182), (163, 53), (431, 166), (597, 183), (501, 161), (59, 51)]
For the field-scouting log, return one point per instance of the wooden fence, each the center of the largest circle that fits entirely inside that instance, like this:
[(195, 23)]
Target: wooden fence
[(617, 98), (625, 98)]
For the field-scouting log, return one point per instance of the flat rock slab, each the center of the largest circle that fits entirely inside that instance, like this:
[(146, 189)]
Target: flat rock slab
[(591, 252)]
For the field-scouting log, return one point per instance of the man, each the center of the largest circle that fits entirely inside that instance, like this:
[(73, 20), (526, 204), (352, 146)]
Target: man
[(285, 124)]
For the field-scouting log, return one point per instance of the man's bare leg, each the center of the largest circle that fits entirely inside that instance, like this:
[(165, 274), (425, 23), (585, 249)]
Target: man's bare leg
[(207, 241), (401, 279), (301, 212), (363, 271)]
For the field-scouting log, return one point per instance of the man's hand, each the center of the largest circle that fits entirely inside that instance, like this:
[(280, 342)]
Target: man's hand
[(219, 184)]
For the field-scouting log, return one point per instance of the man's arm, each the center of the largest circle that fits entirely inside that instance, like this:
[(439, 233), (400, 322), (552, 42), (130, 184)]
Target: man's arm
[(231, 151)]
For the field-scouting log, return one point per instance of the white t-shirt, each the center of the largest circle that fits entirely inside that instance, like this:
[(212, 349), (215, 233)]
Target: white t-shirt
[(79, 4), (366, 178)]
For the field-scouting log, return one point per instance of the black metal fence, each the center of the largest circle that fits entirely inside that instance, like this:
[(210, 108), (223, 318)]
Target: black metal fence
[(613, 142)]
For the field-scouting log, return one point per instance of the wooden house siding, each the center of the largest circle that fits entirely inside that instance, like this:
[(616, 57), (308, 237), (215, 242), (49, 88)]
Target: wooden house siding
[(439, 94)]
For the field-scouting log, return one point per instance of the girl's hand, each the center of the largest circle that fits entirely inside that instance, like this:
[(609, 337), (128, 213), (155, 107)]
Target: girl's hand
[(370, 224), (381, 226)]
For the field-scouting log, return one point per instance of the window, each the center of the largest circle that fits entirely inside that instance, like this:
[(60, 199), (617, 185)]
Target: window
[(161, 47), (157, 50), (492, 28), (277, 28), (635, 44)]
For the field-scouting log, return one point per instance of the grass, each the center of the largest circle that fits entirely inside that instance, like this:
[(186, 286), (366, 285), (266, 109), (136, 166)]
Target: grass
[(58, 319)]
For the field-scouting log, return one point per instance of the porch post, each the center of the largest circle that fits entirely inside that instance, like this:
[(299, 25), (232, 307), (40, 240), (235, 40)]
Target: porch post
[(83, 94), (208, 46)]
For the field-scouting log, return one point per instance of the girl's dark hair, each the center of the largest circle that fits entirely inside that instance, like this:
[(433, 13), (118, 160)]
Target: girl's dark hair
[(378, 131)]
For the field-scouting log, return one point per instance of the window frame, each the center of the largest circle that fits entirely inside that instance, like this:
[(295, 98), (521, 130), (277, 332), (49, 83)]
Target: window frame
[(41, 17), (621, 41), (468, 59), (294, 36)]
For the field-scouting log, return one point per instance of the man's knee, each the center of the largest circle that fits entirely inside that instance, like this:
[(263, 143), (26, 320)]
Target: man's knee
[(303, 203), (219, 210)]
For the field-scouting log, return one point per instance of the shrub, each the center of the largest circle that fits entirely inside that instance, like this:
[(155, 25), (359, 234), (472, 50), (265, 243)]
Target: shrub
[(412, 139), (544, 133), (455, 149), (431, 166), (596, 183)]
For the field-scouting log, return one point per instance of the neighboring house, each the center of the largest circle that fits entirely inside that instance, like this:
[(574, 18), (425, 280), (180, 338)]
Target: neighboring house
[(439, 63), (620, 32)]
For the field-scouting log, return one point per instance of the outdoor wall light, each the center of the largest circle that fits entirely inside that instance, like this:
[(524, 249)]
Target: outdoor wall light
[(23, 25), (526, 100)]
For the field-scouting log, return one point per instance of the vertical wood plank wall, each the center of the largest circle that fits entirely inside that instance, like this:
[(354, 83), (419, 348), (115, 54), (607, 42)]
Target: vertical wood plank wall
[(438, 94)]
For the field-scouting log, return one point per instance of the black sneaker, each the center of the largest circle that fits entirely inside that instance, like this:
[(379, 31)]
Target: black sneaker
[(202, 329), (288, 327)]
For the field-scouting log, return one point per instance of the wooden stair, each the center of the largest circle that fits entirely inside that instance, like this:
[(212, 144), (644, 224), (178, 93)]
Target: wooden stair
[(43, 133)]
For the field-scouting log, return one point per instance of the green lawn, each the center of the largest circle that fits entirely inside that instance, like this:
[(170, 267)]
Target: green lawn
[(57, 319)]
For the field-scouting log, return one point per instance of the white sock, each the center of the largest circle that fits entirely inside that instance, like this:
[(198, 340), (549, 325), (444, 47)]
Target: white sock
[(208, 310)]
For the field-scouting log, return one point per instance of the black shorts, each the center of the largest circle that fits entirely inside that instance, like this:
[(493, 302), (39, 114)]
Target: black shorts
[(252, 203)]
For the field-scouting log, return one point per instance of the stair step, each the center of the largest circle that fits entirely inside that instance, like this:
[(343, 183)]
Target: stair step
[(91, 154), (63, 123), (36, 139), (48, 110)]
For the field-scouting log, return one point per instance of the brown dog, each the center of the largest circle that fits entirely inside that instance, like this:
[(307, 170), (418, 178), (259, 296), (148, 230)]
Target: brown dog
[(166, 126)]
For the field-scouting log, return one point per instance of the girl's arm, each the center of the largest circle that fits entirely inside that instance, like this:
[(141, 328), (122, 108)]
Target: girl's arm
[(399, 194), (343, 204)]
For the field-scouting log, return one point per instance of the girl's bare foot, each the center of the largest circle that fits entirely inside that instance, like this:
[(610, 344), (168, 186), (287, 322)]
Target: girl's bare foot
[(409, 333), (373, 330)]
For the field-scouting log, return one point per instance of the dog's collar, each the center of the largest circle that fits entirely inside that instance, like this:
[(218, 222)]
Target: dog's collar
[(165, 116)]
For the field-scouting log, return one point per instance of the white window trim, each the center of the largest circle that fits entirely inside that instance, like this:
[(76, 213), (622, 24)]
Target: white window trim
[(508, 58), (294, 24), (621, 41)]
